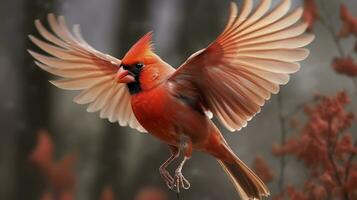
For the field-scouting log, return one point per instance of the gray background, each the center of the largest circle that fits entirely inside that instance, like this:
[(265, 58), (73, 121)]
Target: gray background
[(123, 158)]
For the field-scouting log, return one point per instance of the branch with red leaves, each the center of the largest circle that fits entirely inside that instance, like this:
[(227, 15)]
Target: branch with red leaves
[(326, 149), (344, 65), (59, 175)]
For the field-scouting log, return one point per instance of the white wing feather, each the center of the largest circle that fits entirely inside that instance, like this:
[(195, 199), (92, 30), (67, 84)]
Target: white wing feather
[(84, 68)]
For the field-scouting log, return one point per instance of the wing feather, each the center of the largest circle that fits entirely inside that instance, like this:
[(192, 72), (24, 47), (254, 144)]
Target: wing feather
[(290, 55), (238, 72), (89, 95), (84, 68)]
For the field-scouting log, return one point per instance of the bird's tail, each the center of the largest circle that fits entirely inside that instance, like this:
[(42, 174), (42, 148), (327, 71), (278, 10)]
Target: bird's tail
[(246, 182)]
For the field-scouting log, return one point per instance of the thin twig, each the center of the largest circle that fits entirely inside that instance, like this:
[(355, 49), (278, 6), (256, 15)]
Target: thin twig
[(330, 153), (298, 108), (327, 25), (331, 30), (354, 80), (349, 162), (282, 141), (342, 54), (283, 119), (336, 39)]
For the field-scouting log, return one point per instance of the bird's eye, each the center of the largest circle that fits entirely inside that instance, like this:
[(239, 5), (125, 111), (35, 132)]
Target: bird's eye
[(125, 67), (139, 65)]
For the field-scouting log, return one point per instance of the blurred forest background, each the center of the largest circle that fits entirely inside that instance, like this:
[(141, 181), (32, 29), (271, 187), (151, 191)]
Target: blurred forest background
[(51, 148)]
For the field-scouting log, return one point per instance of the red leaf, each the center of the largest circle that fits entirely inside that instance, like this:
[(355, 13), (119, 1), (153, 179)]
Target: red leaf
[(352, 181), (62, 175), (43, 153), (349, 22), (345, 66), (66, 196), (262, 169), (107, 193), (294, 194), (319, 192), (59, 175), (327, 180), (47, 196), (151, 193), (311, 13)]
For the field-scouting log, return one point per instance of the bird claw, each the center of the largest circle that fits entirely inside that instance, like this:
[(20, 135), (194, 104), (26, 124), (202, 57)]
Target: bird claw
[(169, 180), (180, 182)]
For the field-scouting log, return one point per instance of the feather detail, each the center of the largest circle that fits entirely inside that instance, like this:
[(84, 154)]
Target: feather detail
[(142, 49), (239, 71), (84, 68)]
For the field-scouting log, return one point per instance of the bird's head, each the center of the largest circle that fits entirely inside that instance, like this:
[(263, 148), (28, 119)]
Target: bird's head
[(141, 69)]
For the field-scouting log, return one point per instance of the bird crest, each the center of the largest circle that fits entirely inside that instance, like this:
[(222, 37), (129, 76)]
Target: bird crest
[(141, 51)]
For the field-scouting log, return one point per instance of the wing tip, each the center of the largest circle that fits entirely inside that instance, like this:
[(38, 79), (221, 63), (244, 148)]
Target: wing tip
[(40, 65), (54, 82), (233, 6), (61, 18), (32, 53), (58, 84), (311, 37), (304, 54), (307, 38), (51, 16), (77, 100), (307, 53), (37, 21), (297, 68), (34, 40)]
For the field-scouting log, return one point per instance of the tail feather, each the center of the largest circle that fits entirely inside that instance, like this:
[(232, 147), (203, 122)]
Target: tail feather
[(246, 182)]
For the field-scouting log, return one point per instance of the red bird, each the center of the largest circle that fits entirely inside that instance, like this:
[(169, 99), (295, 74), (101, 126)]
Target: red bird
[(231, 79)]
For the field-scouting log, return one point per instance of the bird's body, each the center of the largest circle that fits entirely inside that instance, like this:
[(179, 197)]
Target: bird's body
[(230, 79), (179, 119), (168, 117)]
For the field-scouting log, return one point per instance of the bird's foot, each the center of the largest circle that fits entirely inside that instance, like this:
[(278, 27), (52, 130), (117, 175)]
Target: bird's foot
[(180, 182), (169, 180)]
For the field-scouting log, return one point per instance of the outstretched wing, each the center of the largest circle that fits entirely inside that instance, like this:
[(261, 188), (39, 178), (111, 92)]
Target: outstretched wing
[(255, 54), (84, 68)]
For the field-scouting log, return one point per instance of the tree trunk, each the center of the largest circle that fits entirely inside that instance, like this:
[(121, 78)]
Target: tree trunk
[(34, 89)]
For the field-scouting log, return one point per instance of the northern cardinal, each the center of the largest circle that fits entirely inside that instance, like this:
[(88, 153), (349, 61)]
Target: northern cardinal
[(230, 79)]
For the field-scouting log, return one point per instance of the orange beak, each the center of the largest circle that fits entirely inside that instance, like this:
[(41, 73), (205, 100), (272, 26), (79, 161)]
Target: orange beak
[(123, 76)]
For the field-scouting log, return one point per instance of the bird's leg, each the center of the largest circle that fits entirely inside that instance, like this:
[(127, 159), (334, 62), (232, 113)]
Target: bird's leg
[(169, 180), (180, 181)]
